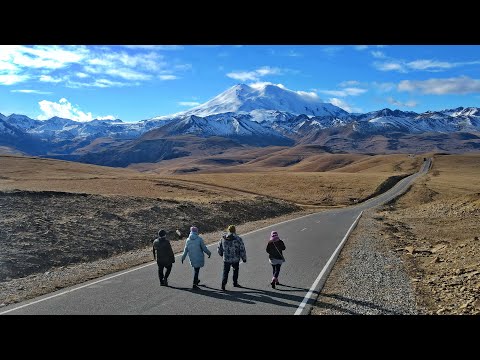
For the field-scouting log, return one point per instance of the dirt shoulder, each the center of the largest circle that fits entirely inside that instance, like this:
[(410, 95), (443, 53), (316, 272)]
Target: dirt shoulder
[(368, 278), (430, 234)]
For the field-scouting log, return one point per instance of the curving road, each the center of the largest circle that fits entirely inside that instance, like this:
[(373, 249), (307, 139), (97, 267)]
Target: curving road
[(313, 242)]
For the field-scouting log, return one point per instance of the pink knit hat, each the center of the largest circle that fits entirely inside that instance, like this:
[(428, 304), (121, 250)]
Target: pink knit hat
[(274, 236), (194, 229)]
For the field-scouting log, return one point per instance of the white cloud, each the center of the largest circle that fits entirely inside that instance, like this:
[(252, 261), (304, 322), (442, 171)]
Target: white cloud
[(378, 54), (332, 50), (62, 64), (128, 74), (434, 65), (343, 105), (48, 78), (12, 79), (243, 75), (108, 117), (31, 92), (384, 87), (267, 70), (351, 91), (349, 83), (44, 57), (188, 103), (254, 75), (389, 66), (65, 109), (415, 65), (167, 77), (410, 103), (293, 53), (460, 85), (101, 83), (262, 84), (365, 47), (155, 47)]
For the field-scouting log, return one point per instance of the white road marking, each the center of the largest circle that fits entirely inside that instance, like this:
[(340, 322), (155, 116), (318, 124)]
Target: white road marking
[(77, 288), (303, 229), (319, 277)]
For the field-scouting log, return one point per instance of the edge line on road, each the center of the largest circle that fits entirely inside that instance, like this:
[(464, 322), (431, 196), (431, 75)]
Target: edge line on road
[(76, 288), (326, 269)]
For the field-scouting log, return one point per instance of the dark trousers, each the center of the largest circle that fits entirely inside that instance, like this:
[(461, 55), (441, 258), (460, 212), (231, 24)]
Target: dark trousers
[(195, 275), (226, 270), (276, 270), (161, 276)]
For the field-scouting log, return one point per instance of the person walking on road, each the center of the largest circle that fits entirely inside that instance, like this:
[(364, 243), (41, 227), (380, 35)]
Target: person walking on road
[(194, 248), (163, 253), (232, 249), (275, 248)]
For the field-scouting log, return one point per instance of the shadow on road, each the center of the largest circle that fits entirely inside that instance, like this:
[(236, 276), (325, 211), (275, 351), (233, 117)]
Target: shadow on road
[(366, 304), (250, 295), (280, 287)]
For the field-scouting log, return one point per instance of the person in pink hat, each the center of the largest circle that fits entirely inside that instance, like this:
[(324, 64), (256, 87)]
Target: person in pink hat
[(275, 247)]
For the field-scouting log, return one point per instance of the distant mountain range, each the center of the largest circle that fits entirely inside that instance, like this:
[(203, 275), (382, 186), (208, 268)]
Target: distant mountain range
[(244, 116)]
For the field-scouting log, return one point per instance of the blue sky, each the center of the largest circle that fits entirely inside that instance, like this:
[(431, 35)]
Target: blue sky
[(139, 82)]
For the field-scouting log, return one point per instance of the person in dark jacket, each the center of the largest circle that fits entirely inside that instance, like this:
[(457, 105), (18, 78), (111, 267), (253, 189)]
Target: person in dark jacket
[(163, 253), (232, 249), (275, 248)]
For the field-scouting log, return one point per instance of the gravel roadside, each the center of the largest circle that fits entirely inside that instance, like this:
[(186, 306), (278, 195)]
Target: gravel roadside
[(368, 278)]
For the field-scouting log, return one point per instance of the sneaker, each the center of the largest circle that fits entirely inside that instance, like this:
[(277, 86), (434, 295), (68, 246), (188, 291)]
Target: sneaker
[(273, 284), (237, 285), (165, 282), (162, 282), (195, 286), (277, 282), (223, 287)]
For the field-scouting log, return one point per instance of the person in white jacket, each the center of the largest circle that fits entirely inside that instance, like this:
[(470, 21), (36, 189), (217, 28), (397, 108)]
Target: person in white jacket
[(195, 248)]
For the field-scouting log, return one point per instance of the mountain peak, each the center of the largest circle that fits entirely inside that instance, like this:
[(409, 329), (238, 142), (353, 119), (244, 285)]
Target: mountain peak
[(261, 97)]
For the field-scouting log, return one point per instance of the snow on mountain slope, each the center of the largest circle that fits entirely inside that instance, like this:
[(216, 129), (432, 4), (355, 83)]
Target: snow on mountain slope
[(264, 101), (226, 124)]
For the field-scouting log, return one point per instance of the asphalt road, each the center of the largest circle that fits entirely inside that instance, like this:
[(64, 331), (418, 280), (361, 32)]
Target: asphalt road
[(312, 243)]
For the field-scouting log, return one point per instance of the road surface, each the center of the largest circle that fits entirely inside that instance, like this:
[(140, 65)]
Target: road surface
[(313, 242)]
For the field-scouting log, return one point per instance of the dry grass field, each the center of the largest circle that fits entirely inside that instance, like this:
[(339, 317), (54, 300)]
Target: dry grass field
[(44, 203), (436, 228), (304, 174), (324, 188), (333, 186), (38, 174)]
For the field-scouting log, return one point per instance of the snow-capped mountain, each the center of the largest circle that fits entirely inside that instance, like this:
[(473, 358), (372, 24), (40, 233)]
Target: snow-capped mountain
[(231, 125), (260, 115), (450, 120), (264, 102)]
